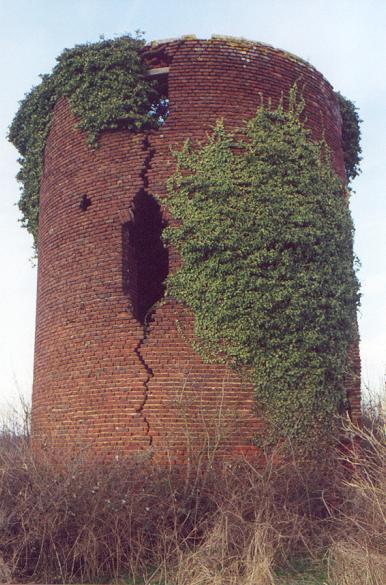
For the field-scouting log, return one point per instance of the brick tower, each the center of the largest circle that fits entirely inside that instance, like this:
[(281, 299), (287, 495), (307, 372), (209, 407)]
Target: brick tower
[(114, 365)]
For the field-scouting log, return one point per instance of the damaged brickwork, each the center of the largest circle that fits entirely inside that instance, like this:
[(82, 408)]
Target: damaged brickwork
[(114, 364)]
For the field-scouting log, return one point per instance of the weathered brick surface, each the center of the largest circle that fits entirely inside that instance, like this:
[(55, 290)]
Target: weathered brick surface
[(100, 378)]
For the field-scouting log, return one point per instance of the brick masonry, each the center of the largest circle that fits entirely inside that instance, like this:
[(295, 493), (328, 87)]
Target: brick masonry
[(111, 372)]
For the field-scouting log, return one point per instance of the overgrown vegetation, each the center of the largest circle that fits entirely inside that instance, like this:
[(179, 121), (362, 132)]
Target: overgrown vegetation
[(284, 522), (265, 236), (351, 136), (107, 87)]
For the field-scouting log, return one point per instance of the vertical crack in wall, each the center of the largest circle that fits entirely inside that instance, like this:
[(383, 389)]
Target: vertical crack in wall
[(140, 408), (142, 240)]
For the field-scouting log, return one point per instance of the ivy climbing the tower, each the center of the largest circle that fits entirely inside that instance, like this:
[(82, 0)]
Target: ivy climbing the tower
[(266, 240), (107, 88), (351, 136)]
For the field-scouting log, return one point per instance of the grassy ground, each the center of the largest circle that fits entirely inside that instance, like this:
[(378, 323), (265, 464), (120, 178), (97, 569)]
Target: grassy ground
[(199, 524), (306, 577)]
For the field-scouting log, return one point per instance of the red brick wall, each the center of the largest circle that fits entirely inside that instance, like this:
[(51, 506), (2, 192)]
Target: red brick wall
[(101, 379)]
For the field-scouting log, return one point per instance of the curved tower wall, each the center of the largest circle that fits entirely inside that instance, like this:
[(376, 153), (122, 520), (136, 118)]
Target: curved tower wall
[(111, 370)]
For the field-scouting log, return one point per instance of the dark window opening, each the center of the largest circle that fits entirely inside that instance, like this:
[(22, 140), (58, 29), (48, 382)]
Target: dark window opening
[(145, 260), (159, 109)]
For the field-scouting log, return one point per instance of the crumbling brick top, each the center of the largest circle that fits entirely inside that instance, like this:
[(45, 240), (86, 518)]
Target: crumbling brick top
[(239, 44)]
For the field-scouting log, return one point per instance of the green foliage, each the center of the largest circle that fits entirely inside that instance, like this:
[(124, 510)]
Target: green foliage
[(28, 132), (351, 135), (107, 88), (265, 237)]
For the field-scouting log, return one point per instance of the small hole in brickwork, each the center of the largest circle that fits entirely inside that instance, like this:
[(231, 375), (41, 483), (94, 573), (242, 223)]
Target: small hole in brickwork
[(145, 260), (85, 203)]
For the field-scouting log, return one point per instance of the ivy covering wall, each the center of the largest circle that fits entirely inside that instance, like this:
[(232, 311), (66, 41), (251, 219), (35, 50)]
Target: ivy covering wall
[(107, 87), (351, 136), (266, 241)]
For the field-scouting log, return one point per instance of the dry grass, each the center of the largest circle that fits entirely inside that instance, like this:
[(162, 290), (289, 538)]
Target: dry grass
[(80, 522), (203, 523), (219, 560), (354, 563), (358, 551)]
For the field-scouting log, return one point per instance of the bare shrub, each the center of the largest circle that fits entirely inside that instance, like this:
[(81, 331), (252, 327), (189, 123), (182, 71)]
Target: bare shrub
[(373, 413), (204, 521), (266, 516), (357, 556), (83, 521), (15, 424), (80, 521)]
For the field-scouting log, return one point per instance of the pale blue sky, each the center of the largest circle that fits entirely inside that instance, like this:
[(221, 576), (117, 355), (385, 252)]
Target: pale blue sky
[(344, 39)]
